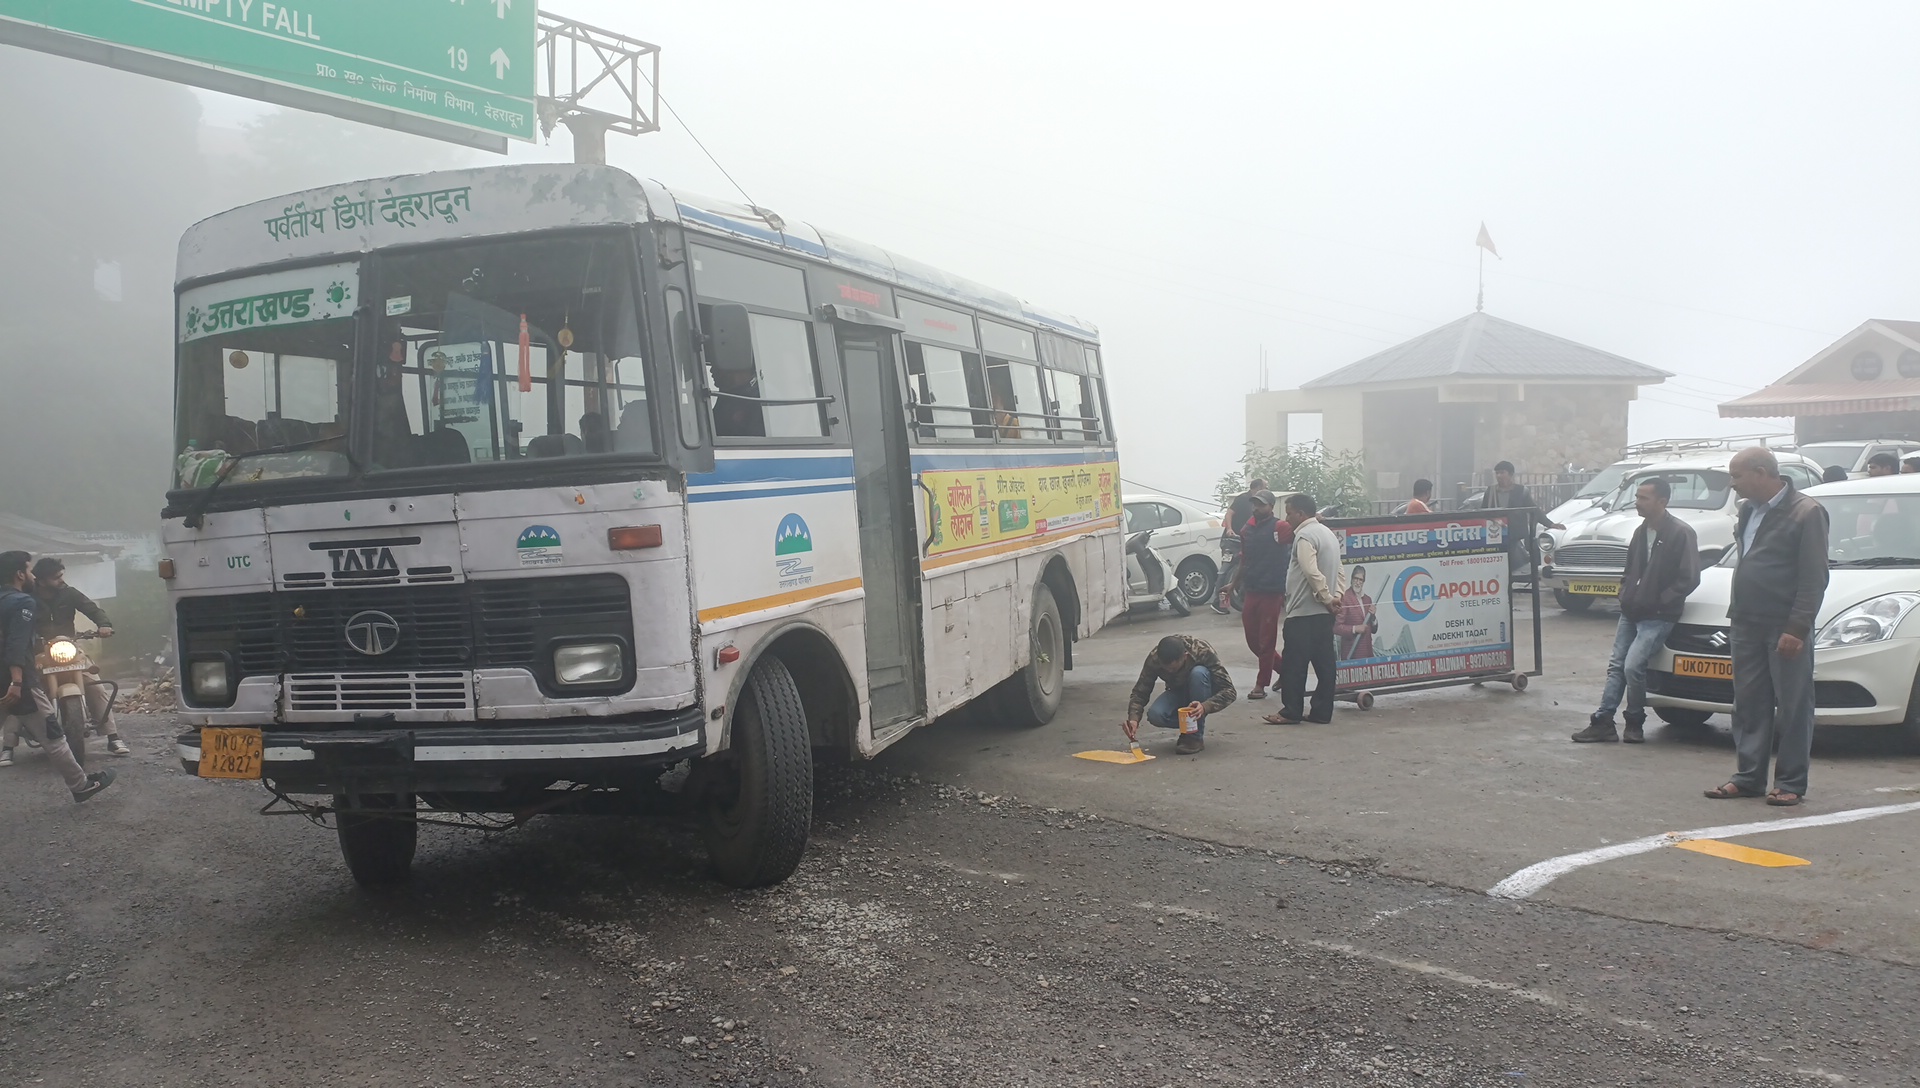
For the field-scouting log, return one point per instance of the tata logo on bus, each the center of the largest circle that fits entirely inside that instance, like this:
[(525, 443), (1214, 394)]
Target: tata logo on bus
[(792, 547), (1415, 592), (364, 562)]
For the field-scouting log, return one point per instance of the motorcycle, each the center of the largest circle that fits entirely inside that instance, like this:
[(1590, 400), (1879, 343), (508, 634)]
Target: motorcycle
[(1149, 579), (65, 671)]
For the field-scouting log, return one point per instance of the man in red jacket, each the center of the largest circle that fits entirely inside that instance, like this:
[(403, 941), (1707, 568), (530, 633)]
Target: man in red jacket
[(1663, 566)]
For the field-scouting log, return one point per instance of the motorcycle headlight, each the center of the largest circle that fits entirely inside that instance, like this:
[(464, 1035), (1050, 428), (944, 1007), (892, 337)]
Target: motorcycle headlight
[(589, 663), (1869, 621), (62, 651)]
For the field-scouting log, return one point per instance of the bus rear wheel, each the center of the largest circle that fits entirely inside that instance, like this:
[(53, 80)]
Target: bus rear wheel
[(378, 839), (757, 825), (1031, 696)]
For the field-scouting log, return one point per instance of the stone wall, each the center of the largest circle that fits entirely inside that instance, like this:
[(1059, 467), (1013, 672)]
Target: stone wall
[(1557, 425)]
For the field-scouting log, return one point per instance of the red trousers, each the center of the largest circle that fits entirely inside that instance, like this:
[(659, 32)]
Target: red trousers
[(1260, 619)]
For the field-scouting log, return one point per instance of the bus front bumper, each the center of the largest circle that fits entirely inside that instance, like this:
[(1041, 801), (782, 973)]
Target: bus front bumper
[(395, 759)]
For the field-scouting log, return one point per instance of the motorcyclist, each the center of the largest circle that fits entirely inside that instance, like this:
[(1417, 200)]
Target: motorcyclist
[(24, 702), (58, 602)]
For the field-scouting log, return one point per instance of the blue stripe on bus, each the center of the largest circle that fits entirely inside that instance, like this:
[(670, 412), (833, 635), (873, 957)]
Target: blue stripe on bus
[(768, 493), (753, 470), (764, 234), (960, 461)]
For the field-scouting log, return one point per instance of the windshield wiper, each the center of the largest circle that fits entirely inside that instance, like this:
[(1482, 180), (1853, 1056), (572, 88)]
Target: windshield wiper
[(1878, 561), (197, 515)]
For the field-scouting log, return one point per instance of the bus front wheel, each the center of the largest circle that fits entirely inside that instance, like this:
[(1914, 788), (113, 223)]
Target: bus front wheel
[(378, 840), (758, 823), (1031, 696)]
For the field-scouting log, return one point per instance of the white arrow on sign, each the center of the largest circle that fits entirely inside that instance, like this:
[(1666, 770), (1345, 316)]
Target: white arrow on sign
[(500, 7), (500, 63)]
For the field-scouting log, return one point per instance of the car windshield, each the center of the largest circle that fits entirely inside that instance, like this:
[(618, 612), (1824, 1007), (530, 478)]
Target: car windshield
[(1828, 454), (1607, 480), (1693, 488), (265, 361), (1873, 530)]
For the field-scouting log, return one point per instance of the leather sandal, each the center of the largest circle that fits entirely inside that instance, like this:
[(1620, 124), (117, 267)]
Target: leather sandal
[(1730, 791), (1783, 799)]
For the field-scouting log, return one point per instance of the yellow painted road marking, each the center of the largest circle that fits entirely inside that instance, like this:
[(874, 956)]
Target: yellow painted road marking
[(1736, 852), (1114, 757)]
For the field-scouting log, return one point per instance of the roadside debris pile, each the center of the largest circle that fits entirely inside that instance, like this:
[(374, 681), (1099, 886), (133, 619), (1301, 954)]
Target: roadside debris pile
[(156, 696)]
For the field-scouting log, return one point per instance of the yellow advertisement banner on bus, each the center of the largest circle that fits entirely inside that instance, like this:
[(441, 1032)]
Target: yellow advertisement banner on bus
[(967, 508)]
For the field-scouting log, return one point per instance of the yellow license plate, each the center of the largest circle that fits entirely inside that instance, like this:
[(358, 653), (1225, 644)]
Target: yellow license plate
[(230, 753), (1713, 668), (1594, 589)]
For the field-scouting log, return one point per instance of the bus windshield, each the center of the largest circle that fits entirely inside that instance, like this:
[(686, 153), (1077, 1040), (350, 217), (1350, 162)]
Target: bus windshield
[(266, 361), (502, 350)]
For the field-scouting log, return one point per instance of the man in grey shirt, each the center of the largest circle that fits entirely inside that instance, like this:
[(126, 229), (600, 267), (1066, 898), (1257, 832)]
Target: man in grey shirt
[(1777, 589)]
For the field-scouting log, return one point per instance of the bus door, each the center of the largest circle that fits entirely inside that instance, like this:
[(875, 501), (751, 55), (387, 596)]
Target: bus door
[(889, 544)]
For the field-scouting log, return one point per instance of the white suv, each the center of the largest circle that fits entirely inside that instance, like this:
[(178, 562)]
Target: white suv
[(1186, 536), (1853, 454), (1585, 563)]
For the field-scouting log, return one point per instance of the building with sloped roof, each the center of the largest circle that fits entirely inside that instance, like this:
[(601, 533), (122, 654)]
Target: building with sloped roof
[(1448, 404), (1864, 385)]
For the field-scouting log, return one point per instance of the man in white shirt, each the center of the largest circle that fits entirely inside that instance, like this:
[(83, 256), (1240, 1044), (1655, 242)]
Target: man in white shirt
[(1313, 596)]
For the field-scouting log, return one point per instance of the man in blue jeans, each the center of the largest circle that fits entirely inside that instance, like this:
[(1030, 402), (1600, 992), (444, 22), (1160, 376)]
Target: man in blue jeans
[(1195, 679), (1663, 566)]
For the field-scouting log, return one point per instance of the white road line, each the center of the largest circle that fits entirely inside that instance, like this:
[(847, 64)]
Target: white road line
[(1531, 879)]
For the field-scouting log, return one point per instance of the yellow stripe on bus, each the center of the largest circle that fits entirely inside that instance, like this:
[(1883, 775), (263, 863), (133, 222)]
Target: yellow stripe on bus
[(1023, 543), (795, 596)]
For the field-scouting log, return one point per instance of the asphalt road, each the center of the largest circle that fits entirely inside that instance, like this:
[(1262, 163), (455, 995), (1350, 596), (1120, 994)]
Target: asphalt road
[(1299, 906)]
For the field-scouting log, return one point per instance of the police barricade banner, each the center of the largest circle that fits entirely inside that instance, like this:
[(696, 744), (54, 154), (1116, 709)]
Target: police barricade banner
[(1426, 599)]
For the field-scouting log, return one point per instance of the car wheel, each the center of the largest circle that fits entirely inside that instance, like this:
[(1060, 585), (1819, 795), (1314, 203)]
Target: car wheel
[(1683, 717), (1910, 728), (1196, 579), (1572, 602)]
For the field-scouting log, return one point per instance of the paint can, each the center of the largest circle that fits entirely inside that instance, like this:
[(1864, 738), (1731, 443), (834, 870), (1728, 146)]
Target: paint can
[(1188, 723)]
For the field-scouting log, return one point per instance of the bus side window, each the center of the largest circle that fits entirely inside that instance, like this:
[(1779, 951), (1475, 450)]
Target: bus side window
[(1019, 406), (949, 392), (781, 368), (686, 367)]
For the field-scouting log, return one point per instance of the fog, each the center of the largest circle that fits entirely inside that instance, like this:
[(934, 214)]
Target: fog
[(1718, 190)]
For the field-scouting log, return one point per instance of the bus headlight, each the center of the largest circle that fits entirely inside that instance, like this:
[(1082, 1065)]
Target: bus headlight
[(62, 651), (208, 682), (1869, 621), (589, 663)]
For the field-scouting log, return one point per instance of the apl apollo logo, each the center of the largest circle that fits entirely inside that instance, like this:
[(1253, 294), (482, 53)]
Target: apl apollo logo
[(1415, 592), (792, 545)]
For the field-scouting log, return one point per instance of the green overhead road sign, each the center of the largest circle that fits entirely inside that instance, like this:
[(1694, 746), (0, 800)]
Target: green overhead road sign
[(459, 70)]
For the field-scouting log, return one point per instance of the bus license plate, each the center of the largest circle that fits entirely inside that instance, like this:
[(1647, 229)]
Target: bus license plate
[(230, 753), (1594, 589), (1712, 668)]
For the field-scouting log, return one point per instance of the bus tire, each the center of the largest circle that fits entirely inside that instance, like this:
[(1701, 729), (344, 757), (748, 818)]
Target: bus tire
[(757, 828), (1031, 696), (73, 725), (378, 841)]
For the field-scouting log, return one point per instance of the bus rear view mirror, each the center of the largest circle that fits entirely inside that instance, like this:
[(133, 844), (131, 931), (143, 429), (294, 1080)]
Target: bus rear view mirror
[(730, 339)]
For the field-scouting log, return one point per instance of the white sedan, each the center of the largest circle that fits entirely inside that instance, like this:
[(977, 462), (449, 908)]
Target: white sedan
[(1185, 535), (1866, 638)]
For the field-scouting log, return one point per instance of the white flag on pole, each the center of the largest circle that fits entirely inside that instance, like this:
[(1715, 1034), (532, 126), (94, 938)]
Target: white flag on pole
[(1485, 241)]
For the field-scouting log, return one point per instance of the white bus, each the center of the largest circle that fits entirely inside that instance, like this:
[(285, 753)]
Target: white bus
[(540, 488)]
